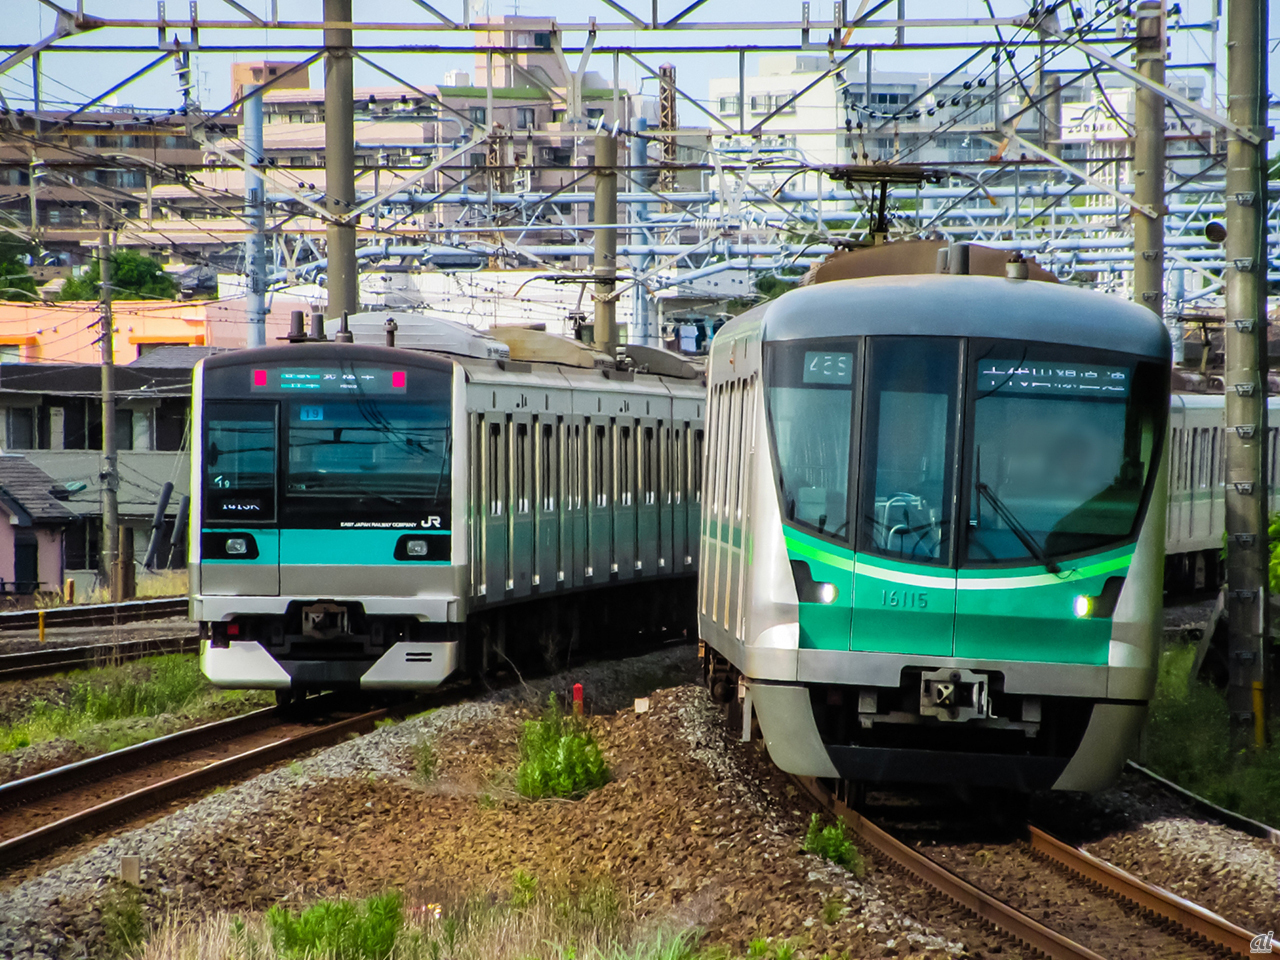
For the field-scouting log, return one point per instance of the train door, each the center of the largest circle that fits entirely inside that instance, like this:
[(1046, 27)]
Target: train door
[(624, 499), (495, 507), (649, 527), (695, 437), (599, 540), (547, 482), (573, 524), (520, 556), (904, 585), (678, 476)]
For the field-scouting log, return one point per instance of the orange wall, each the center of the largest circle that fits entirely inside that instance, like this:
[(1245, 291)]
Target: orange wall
[(68, 332)]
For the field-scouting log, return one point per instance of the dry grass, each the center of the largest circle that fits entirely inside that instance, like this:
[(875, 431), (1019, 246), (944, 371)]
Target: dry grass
[(590, 923), (162, 583)]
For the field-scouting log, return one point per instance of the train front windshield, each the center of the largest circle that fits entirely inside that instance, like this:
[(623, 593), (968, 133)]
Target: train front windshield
[(332, 446), (1036, 452)]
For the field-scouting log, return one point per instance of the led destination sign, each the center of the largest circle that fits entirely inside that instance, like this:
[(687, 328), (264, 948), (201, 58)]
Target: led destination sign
[(318, 380), (1052, 379)]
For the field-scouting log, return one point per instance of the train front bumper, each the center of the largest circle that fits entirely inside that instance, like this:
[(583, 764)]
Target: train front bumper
[(246, 664)]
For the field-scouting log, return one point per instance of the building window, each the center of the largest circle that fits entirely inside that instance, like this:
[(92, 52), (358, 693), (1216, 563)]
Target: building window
[(478, 159), (761, 103), (10, 353), (780, 102), (729, 105), (22, 428), (542, 41), (594, 113), (525, 118), (478, 115)]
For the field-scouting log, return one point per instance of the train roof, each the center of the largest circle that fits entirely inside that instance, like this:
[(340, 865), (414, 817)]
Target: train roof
[(966, 306)]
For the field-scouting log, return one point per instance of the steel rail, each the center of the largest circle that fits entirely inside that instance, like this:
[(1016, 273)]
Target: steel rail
[(72, 775), (50, 660), (1016, 924), (96, 615), (1191, 917), (55, 834)]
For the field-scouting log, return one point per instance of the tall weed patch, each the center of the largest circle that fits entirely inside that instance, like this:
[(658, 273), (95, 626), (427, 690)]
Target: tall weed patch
[(559, 756)]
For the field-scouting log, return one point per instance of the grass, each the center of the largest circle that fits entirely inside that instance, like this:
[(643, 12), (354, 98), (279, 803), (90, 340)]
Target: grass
[(831, 843), (424, 760), (589, 920), (123, 924), (559, 757), (103, 709), (1187, 741)]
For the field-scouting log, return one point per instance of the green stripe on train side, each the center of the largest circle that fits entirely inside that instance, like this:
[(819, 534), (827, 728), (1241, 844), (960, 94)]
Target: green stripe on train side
[(824, 626)]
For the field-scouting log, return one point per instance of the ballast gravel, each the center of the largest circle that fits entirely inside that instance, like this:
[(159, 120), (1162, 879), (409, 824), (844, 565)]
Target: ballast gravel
[(698, 828)]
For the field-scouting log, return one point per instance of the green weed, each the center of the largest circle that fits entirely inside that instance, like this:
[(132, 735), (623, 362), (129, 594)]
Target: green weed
[(339, 929), (150, 688), (424, 759), (832, 910), (124, 928), (830, 843), (524, 887), (559, 757), (1188, 741)]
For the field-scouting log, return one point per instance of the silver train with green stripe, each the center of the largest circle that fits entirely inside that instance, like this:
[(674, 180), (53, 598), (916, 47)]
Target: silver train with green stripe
[(933, 529), (375, 518)]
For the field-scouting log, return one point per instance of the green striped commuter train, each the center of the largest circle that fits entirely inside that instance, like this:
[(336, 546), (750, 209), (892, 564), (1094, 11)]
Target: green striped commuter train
[(933, 528)]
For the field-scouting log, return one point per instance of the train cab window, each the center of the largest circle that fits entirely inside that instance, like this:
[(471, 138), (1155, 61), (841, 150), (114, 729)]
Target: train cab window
[(909, 447), (1064, 442), (240, 463), (811, 383)]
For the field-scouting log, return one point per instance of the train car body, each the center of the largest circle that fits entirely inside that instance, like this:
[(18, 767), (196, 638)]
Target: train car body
[(1197, 487), (933, 528), (379, 518)]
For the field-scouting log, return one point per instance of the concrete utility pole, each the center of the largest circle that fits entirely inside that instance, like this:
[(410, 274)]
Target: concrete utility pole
[(1245, 379), (109, 475), (1148, 161), (340, 161), (255, 244), (606, 240)]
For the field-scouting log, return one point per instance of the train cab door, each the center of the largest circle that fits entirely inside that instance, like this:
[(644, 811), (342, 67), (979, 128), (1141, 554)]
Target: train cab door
[(240, 548), (904, 589)]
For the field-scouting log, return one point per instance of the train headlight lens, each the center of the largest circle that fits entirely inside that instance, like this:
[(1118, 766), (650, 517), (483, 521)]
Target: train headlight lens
[(237, 546), (416, 548), (827, 592), (1083, 606)]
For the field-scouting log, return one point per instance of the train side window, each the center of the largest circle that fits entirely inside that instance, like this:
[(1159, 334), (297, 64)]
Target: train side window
[(728, 452), (495, 475), (733, 497), (679, 462), (547, 467), (647, 474), (520, 468), (713, 425), (697, 464), (599, 493), (745, 440), (625, 466)]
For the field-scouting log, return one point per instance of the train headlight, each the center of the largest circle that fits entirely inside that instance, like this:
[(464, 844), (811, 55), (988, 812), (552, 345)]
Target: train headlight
[(1083, 606), (237, 546), (826, 592), (416, 548)]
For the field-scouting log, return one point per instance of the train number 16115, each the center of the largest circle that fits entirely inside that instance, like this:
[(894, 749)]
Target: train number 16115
[(908, 599)]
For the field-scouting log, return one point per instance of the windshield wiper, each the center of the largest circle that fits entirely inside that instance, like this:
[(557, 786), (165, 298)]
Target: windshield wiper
[(1019, 531)]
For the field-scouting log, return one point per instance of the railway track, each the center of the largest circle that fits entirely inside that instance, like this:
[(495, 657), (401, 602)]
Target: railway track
[(1186, 920), (51, 660), (96, 614), (41, 813)]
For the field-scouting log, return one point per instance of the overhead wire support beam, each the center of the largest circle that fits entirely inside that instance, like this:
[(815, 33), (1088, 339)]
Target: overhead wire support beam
[(1025, 145), (1204, 113)]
